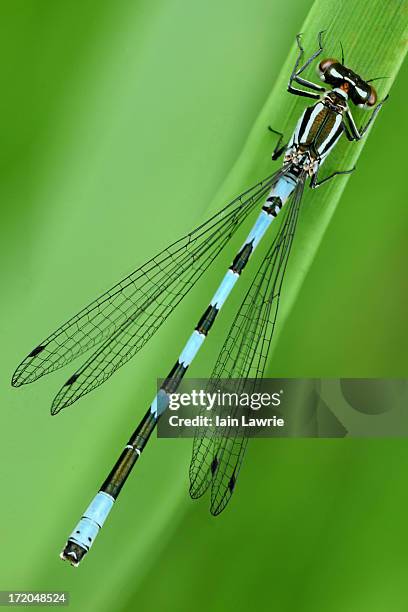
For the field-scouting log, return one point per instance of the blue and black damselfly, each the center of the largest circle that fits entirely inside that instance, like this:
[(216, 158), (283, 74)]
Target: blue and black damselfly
[(123, 319)]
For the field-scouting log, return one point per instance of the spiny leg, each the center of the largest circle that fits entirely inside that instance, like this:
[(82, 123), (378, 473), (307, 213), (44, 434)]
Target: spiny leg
[(314, 183), (349, 134), (358, 134), (279, 149), (297, 71)]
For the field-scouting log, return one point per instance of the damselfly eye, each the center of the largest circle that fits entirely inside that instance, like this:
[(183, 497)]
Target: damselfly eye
[(363, 95), (325, 64), (372, 99)]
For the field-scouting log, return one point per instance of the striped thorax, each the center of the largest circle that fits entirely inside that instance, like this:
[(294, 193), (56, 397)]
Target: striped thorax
[(317, 132)]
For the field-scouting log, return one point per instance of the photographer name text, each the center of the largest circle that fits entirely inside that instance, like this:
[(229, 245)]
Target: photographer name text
[(217, 421)]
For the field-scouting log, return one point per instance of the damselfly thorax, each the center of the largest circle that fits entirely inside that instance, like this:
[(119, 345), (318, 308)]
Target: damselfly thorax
[(317, 132)]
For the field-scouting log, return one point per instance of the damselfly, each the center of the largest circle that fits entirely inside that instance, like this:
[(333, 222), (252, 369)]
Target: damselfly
[(123, 319)]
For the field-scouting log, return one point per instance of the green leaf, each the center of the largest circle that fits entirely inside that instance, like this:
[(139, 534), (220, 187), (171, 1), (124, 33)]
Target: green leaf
[(374, 38)]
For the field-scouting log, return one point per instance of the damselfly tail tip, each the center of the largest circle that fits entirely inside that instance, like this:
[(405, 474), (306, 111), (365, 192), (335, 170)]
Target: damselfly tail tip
[(73, 553)]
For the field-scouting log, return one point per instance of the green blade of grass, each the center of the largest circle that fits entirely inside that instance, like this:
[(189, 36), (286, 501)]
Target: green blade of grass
[(374, 38)]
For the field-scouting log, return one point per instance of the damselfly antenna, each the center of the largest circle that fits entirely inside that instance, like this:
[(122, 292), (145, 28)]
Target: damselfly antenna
[(377, 79), (342, 53)]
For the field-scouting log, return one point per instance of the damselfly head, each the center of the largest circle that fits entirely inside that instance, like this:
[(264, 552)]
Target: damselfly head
[(333, 72)]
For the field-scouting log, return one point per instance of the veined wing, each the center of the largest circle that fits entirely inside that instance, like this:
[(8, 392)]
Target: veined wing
[(217, 455), (125, 317)]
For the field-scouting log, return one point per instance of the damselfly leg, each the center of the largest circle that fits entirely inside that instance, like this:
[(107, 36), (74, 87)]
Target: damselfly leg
[(314, 183), (356, 133), (296, 72), (279, 147)]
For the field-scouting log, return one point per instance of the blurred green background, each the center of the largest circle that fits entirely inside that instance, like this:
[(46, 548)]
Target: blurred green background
[(120, 122)]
